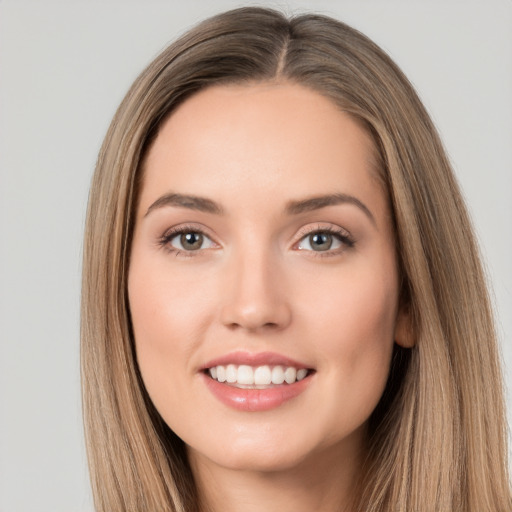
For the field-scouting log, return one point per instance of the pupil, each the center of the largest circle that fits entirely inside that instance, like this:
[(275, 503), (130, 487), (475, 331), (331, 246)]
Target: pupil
[(191, 241), (320, 241)]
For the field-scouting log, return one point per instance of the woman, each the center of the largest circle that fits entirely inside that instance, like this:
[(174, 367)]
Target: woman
[(283, 304)]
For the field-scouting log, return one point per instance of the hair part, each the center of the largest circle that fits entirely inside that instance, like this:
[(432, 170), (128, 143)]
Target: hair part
[(437, 440)]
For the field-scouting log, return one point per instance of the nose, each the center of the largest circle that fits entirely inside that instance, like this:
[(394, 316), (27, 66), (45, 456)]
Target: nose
[(255, 296)]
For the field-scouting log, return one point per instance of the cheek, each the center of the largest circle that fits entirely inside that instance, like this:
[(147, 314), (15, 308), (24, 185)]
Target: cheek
[(169, 319), (167, 308), (358, 305), (354, 328)]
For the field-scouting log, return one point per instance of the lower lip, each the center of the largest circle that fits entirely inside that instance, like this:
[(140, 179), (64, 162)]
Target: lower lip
[(256, 400)]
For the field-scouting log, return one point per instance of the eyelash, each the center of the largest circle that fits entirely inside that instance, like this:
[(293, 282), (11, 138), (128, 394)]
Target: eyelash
[(165, 240), (340, 234)]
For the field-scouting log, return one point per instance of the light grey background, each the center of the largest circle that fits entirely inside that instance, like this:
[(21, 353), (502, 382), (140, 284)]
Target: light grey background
[(64, 67)]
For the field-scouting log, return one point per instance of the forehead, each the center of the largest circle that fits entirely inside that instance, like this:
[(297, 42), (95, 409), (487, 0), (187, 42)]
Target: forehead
[(265, 138)]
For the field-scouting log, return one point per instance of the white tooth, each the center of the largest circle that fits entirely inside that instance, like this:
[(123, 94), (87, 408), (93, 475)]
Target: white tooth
[(221, 374), (262, 376), (213, 372), (301, 373), (231, 373), (277, 375), (290, 375), (245, 375)]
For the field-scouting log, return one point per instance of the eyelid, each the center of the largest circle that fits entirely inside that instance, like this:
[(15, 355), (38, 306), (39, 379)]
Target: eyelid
[(174, 231), (340, 233)]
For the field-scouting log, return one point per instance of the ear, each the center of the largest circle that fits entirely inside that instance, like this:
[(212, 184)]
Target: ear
[(404, 331)]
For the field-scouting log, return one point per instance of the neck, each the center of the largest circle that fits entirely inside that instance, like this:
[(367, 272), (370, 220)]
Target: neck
[(323, 483)]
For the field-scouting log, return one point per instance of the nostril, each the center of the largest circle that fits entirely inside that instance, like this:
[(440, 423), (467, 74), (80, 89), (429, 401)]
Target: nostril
[(252, 327), (255, 311)]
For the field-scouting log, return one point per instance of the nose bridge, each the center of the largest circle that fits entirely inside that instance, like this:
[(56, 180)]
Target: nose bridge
[(254, 295)]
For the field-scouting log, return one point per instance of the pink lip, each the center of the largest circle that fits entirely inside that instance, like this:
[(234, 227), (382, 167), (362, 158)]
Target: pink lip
[(254, 400), (259, 359)]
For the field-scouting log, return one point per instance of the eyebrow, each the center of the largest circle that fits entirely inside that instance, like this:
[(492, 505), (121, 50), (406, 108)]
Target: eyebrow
[(317, 202), (309, 204), (201, 204)]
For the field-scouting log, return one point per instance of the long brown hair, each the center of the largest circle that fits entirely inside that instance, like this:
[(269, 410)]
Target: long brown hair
[(438, 438)]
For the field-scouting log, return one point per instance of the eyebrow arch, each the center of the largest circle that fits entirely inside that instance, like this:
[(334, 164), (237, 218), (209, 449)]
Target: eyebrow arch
[(186, 201), (292, 208), (317, 202)]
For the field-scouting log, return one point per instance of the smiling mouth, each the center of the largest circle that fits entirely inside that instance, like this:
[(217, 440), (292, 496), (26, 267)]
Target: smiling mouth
[(257, 377)]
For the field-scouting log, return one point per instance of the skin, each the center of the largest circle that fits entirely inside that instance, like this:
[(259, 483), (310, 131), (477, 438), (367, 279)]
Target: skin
[(257, 285)]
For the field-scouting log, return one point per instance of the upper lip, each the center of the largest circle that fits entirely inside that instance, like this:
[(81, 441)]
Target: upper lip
[(254, 359)]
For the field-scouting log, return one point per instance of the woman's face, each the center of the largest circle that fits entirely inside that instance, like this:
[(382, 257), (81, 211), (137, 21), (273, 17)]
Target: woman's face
[(263, 281)]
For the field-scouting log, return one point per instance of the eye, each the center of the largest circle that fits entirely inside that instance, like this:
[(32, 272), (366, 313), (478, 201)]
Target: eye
[(186, 240), (325, 240), (319, 241)]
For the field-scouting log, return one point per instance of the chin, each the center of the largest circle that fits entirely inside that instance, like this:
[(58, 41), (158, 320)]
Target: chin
[(264, 462), (263, 455)]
